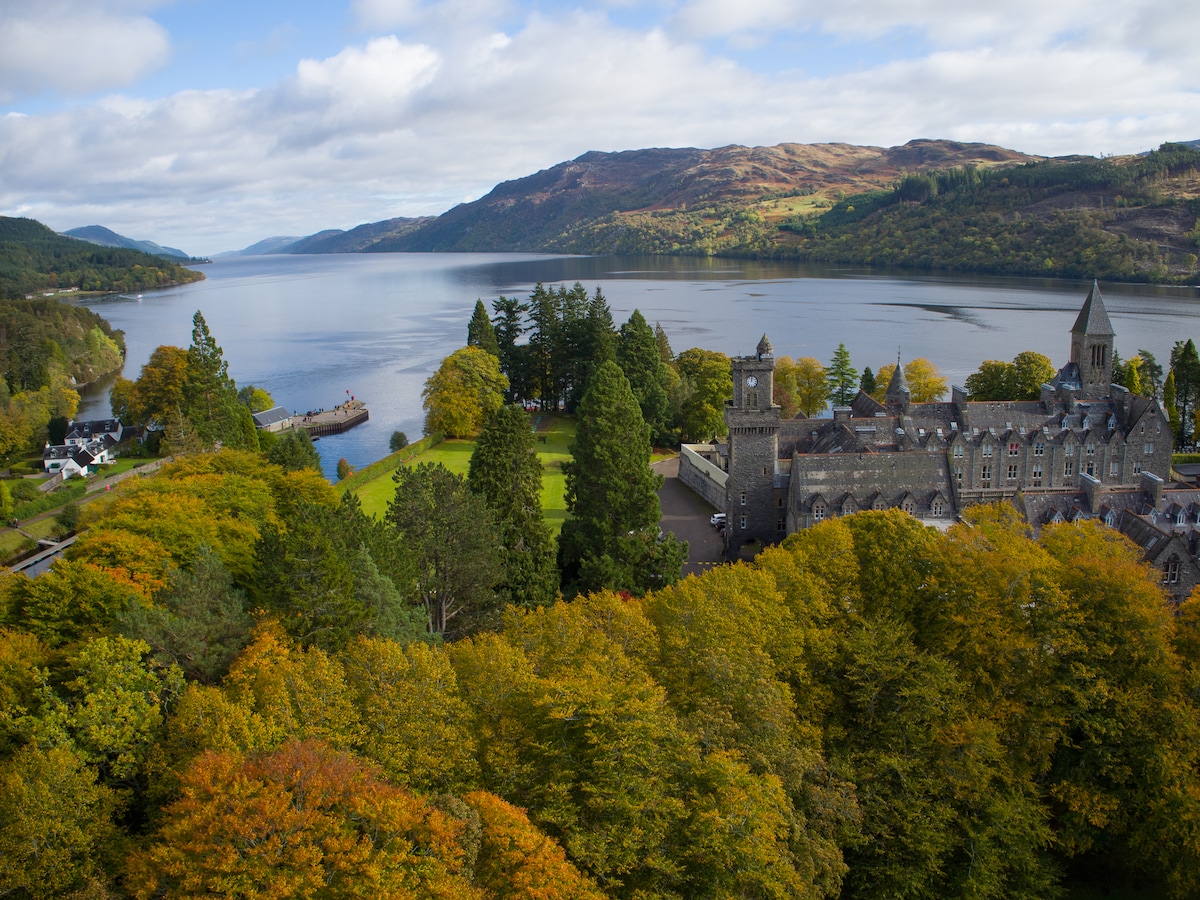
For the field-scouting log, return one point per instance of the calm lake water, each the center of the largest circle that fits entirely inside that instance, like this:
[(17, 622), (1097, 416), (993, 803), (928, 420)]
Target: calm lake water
[(311, 329)]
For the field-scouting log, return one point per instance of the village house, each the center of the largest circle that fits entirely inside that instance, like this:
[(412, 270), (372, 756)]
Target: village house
[(86, 446)]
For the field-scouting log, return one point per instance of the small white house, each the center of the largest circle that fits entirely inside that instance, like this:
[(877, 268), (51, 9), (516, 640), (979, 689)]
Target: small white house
[(86, 446), (275, 419)]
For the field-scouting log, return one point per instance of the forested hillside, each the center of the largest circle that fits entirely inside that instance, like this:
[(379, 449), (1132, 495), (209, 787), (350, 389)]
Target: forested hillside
[(33, 258), (1132, 219), (925, 205), (225, 692)]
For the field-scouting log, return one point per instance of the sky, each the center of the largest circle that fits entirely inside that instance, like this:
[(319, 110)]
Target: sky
[(208, 125)]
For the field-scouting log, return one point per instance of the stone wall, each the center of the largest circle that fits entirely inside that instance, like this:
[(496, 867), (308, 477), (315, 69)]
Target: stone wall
[(702, 476)]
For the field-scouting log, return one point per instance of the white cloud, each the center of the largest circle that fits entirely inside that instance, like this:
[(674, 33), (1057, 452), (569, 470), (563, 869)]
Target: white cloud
[(76, 47), (410, 124)]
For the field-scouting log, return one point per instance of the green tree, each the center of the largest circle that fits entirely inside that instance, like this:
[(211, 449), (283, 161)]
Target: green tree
[(448, 530), (210, 398), (398, 441), (993, 381), (507, 474), (612, 539), (198, 622), (866, 383), (294, 452), (1151, 373), (255, 399), (343, 469), (1133, 376), (705, 384), (638, 357), (509, 323), (1030, 371), (1171, 409), (842, 377), (1185, 366), (467, 388), (55, 823), (480, 332)]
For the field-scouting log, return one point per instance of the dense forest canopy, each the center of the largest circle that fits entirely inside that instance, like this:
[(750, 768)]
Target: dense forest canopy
[(33, 258)]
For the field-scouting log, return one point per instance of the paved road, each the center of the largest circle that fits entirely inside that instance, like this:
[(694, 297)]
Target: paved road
[(685, 515)]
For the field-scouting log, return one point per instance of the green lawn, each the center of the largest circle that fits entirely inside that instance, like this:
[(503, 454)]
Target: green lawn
[(455, 455)]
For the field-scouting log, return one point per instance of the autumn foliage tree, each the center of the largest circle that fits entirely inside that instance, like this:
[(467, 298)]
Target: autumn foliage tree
[(466, 389)]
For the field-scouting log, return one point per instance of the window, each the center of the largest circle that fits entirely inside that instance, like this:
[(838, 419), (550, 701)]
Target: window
[(781, 524), (1114, 469), (742, 523), (987, 449), (1039, 449), (1148, 448), (1137, 467), (1090, 449), (1036, 475), (1171, 572), (1012, 472), (1110, 518), (938, 508), (1090, 468), (909, 506), (818, 512), (743, 498), (1014, 448), (958, 451), (1068, 468), (985, 476), (958, 477)]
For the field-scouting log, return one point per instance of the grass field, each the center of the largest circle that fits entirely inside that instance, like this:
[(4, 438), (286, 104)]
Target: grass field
[(455, 455)]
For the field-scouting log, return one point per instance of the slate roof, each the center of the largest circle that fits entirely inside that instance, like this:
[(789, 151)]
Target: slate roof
[(1093, 318), (272, 416)]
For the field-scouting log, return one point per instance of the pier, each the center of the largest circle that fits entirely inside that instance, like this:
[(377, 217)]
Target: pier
[(332, 421)]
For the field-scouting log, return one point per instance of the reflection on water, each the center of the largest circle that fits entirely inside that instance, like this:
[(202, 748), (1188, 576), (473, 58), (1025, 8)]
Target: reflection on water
[(311, 329)]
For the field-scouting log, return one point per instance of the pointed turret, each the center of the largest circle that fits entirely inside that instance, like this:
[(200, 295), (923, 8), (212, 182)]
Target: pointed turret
[(1092, 347), (1093, 318), (898, 394), (764, 348)]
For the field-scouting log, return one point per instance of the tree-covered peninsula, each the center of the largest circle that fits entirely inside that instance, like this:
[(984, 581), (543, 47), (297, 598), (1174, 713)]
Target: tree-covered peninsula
[(33, 259)]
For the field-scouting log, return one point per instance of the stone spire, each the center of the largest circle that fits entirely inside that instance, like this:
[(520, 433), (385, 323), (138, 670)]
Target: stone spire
[(764, 348), (898, 393), (1093, 318)]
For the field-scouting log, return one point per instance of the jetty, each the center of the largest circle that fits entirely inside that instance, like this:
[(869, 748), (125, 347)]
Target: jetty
[(332, 421)]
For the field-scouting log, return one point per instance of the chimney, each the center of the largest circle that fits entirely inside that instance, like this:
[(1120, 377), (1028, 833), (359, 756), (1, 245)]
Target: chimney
[(1152, 485)]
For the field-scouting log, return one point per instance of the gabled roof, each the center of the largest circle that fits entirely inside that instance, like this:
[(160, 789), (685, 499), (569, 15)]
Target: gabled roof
[(1093, 318), (271, 416)]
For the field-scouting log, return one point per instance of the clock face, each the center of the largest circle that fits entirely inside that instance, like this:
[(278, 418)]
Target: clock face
[(751, 381)]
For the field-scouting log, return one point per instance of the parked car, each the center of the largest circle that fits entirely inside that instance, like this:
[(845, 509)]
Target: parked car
[(716, 520)]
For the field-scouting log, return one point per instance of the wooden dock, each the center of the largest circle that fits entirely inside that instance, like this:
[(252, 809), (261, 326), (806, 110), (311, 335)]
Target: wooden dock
[(332, 421)]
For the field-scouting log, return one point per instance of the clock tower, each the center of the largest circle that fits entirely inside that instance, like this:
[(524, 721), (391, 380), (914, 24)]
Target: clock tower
[(752, 507)]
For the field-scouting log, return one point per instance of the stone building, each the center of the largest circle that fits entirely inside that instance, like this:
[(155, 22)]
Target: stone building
[(933, 459)]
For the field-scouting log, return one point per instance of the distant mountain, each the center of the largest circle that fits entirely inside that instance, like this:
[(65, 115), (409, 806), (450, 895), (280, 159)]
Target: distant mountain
[(927, 205), (356, 240), (263, 247), (98, 234), (559, 208)]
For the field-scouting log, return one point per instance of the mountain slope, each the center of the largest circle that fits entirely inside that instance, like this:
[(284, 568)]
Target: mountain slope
[(98, 234), (554, 209)]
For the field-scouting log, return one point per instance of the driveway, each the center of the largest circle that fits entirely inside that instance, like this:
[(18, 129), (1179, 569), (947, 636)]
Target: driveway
[(685, 515)]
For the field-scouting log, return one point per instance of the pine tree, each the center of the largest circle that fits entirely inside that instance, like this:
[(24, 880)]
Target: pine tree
[(507, 474), (613, 539), (210, 399), (867, 383), (843, 377), (509, 325), (480, 332), (638, 356)]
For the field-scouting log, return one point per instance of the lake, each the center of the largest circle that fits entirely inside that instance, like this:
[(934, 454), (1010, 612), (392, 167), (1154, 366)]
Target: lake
[(314, 329)]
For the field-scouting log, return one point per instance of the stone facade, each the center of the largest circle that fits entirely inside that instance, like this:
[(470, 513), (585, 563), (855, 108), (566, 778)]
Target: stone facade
[(935, 459)]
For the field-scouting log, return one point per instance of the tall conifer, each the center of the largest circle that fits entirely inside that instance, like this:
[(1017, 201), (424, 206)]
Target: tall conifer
[(612, 539)]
